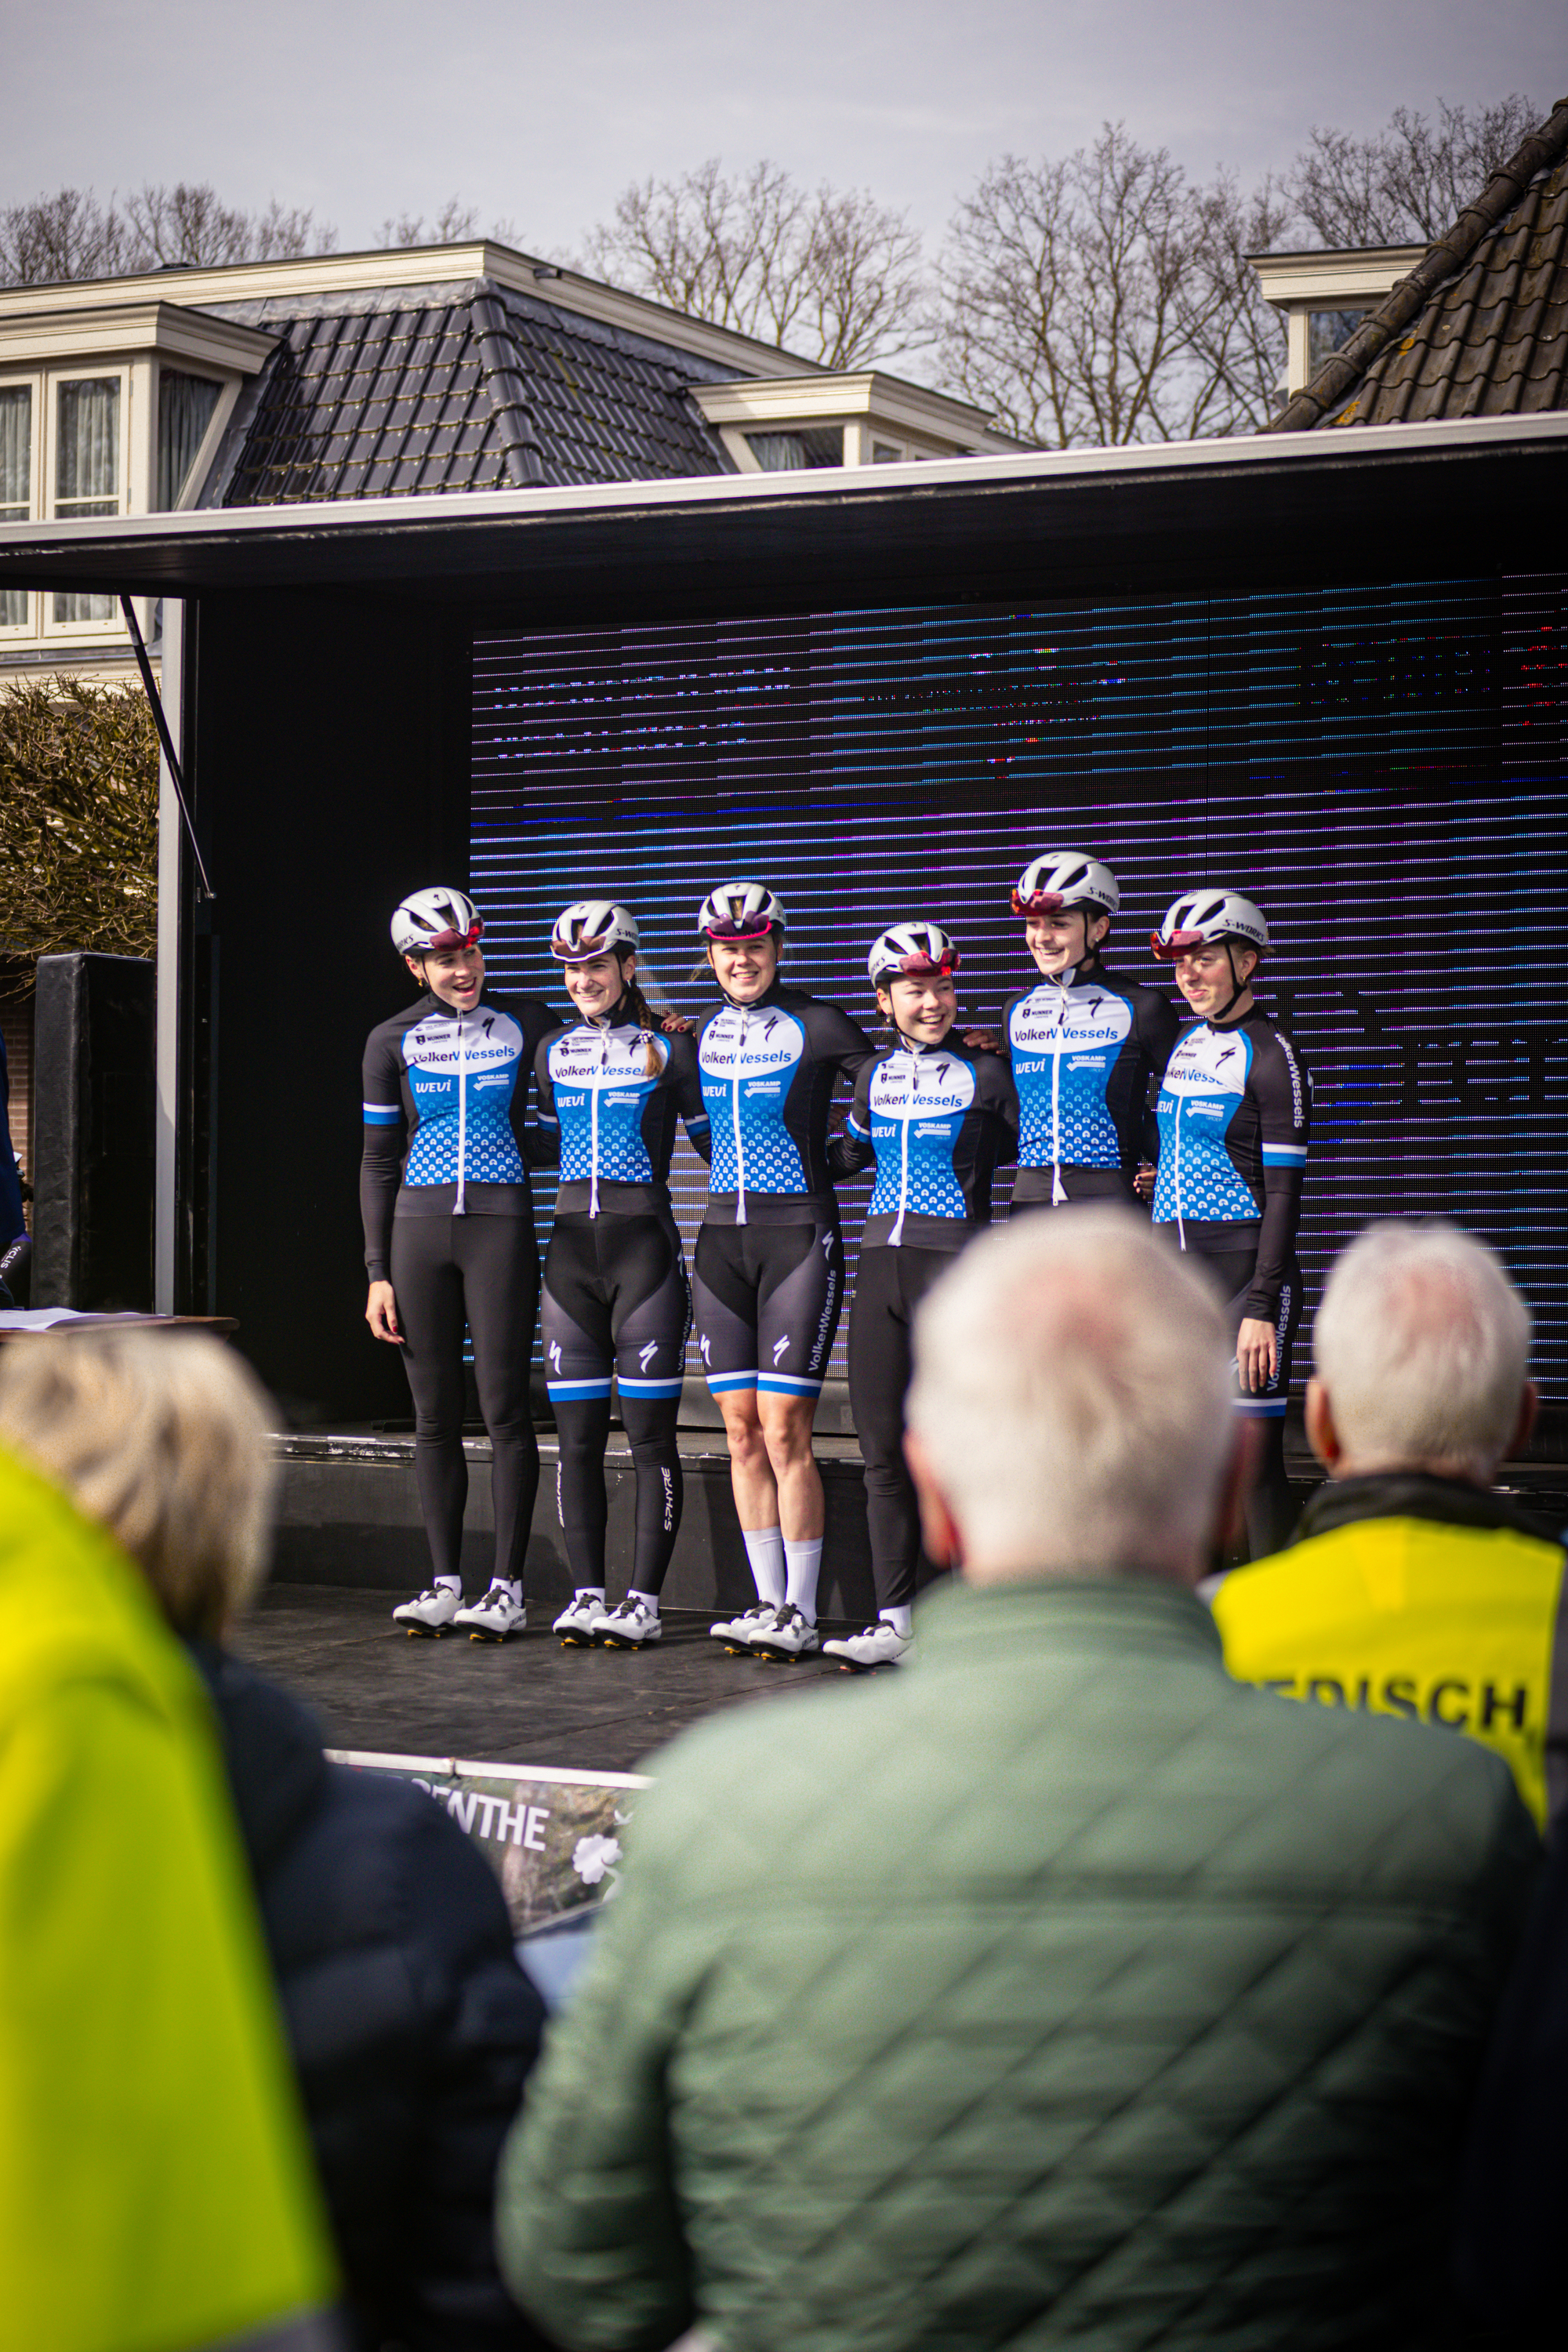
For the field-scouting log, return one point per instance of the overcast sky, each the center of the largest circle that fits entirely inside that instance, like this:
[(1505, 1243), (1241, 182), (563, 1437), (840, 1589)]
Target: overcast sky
[(540, 113)]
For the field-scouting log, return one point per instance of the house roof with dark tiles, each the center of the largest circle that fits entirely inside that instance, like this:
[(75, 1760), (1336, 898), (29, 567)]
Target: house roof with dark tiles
[(1479, 328), (472, 387)]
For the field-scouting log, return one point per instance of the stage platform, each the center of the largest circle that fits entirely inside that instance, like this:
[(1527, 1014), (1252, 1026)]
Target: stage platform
[(349, 1516), (350, 1543), (528, 1701)]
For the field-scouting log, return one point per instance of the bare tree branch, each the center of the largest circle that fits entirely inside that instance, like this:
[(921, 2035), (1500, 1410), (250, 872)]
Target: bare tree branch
[(1409, 183), (71, 235), (454, 224), (832, 273), (1098, 298)]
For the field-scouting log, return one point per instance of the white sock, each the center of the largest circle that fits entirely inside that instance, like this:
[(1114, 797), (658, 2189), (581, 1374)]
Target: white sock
[(513, 1588), (589, 1592), (765, 1551), (649, 1600), (902, 1620), (450, 1584), (803, 1562)]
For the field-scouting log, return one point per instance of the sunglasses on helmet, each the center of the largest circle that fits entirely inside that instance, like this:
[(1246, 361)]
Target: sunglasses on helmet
[(442, 942)]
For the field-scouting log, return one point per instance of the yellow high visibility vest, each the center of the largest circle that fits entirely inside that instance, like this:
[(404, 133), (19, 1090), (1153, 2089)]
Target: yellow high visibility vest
[(1447, 1624), (157, 2190)]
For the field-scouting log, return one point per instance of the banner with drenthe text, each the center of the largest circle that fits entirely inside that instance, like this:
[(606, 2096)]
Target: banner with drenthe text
[(553, 1838)]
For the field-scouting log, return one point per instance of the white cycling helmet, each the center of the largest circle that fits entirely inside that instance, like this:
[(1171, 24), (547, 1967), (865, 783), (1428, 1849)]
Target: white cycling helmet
[(913, 951), (1060, 878), (1211, 914), (433, 919), (589, 927), (740, 910)]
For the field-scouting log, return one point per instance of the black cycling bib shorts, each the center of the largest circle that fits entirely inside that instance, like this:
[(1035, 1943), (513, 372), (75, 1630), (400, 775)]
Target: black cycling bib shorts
[(448, 1220), (768, 1272), (615, 1294), (616, 1299), (767, 1300), (935, 1121), (1235, 1117)]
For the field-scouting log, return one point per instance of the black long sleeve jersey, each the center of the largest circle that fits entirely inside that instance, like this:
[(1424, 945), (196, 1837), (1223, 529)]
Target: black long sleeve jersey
[(610, 1124), (1086, 1051), (935, 1121), (768, 1071), (1235, 1113), (444, 1094)]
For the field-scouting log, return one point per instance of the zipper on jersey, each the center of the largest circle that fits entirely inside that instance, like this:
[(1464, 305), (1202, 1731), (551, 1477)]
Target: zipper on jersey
[(896, 1238), (1059, 1192), (1177, 1176), (461, 1209), (735, 1121), (594, 1092)]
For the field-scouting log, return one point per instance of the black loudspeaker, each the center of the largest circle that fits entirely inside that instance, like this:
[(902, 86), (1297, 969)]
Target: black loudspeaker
[(94, 1106)]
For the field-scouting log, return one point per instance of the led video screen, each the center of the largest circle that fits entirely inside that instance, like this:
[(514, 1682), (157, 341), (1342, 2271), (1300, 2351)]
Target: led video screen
[(1382, 769)]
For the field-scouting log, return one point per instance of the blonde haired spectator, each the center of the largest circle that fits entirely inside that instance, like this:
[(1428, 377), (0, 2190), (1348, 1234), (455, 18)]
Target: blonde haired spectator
[(411, 2024), (155, 2180)]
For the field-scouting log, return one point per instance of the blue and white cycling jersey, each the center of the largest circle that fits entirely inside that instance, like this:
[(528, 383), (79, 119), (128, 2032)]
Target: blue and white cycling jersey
[(452, 1085), (612, 1120), (1235, 1113), (1084, 1049), (936, 1119), (767, 1072)]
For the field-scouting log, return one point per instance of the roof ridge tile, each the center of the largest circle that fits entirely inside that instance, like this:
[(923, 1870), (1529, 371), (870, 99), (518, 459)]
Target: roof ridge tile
[(1536, 173)]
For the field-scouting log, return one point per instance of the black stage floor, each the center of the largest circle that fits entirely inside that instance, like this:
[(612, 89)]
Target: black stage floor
[(531, 1701)]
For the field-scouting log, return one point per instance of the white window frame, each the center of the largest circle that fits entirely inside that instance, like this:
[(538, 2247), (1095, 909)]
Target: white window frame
[(91, 370), (11, 379)]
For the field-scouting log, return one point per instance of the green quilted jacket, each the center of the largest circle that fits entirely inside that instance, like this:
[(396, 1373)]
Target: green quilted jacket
[(1055, 1990)]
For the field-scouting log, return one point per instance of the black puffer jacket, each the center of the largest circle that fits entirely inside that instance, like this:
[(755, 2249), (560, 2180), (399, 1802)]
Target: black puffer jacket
[(412, 2027)]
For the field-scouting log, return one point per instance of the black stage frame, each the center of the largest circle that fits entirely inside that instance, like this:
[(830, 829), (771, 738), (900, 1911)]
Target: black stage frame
[(323, 708)]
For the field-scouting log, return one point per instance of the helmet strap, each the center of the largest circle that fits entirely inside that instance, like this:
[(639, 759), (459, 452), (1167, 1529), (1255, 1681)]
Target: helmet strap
[(1238, 988)]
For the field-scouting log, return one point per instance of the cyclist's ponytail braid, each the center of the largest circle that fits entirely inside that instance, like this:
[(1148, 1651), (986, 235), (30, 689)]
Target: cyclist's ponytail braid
[(643, 1015)]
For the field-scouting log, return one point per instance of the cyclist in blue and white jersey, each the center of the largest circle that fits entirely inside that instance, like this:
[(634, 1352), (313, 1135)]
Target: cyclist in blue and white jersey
[(768, 1274), (934, 1117), (1235, 1113), (1087, 1049), (610, 1087), (448, 1239)]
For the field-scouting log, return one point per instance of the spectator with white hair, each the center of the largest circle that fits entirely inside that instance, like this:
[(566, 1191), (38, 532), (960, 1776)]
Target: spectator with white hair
[(1412, 1588), (1058, 1989)]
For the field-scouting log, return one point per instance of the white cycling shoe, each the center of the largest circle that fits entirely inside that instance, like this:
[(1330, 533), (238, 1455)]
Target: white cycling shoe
[(785, 1635), (631, 1625), (880, 1645), (736, 1633), (575, 1622), (430, 1612), (495, 1618)]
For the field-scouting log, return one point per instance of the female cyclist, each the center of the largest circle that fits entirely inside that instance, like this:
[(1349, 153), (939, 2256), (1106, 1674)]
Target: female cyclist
[(610, 1085), (1234, 1111), (935, 1116), (768, 1275), (448, 1239), (1088, 1050)]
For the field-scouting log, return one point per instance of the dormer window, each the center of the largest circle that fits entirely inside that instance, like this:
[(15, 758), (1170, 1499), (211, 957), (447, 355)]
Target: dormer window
[(111, 410), (87, 472), (1324, 298), (187, 405), (15, 483), (786, 453), (784, 424)]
